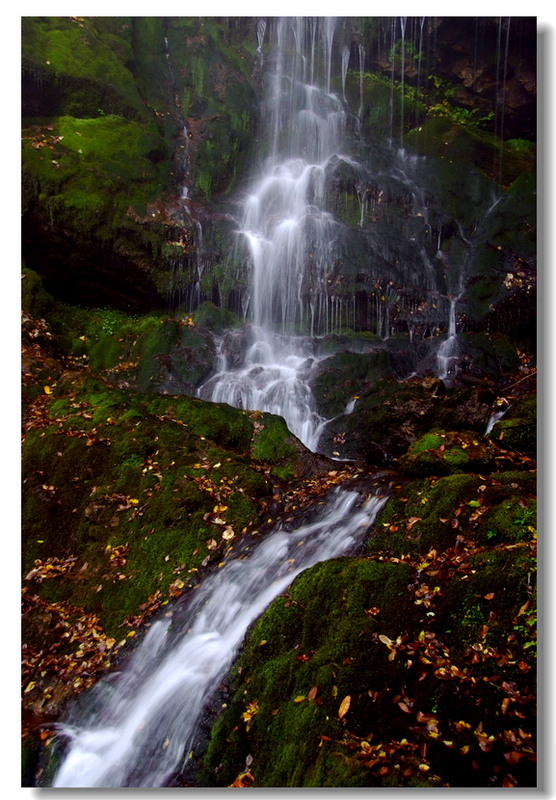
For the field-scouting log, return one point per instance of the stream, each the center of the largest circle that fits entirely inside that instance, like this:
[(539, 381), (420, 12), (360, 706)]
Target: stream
[(135, 728)]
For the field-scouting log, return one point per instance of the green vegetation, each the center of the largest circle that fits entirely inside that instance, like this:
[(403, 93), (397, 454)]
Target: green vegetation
[(411, 663)]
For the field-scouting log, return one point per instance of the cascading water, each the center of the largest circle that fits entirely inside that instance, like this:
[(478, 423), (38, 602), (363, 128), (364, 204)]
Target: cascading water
[(447, 352), (292, 251), (286, 235), (133, 728)]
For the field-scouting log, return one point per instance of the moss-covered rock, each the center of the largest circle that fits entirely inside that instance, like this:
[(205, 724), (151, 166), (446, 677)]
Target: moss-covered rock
[(318, 636), (118, 115), (517, 430), (368, 673), (126, 498), (441, 453), (431, 513)]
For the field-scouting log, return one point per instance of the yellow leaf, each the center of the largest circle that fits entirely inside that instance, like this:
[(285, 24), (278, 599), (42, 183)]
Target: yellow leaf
[(47, 390), (133, 501), (299, 699), (344, 706)]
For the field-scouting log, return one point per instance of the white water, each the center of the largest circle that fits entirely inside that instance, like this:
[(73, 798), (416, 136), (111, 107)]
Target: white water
[(447, 356), (136, 729), (274, 377), (493, 419), (286, 235)]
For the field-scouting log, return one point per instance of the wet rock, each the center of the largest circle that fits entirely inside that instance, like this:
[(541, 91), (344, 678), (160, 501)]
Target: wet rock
[(447, 453)]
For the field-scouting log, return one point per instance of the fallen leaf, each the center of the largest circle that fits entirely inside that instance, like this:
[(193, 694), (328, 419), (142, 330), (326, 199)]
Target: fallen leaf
[(344, 706)]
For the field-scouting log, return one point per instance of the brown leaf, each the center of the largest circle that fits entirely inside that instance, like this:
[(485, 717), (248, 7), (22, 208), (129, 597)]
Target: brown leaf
[(344, 706), (312, 693)]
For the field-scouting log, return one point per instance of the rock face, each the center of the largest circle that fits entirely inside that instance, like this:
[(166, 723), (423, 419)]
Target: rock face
[(137, 129), (123, 117)]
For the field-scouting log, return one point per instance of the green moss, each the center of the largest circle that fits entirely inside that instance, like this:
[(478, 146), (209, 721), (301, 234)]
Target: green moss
[(512, 520), (34, 299), (346, 375), (518, 428), (431, 441), (79, 54), (454, 452), (421, 517), (318, 635), (214, 318), (498, 584), (117, 468), (283, 473), (274, 442), (241, 510)]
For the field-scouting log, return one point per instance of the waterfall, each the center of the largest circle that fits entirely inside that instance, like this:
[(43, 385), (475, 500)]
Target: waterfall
[(135, 728), (403, 21), (421, 24), (448, 351), (261, 28), (286, 236), (361, 51), (345, 65)]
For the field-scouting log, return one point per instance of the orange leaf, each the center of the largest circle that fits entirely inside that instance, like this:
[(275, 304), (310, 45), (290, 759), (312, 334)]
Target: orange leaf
[(312, 693), (344, 706)]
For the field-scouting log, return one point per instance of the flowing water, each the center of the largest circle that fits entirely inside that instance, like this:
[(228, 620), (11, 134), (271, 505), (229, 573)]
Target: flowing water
[(135, 728), (286, 234), (289, 243)]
